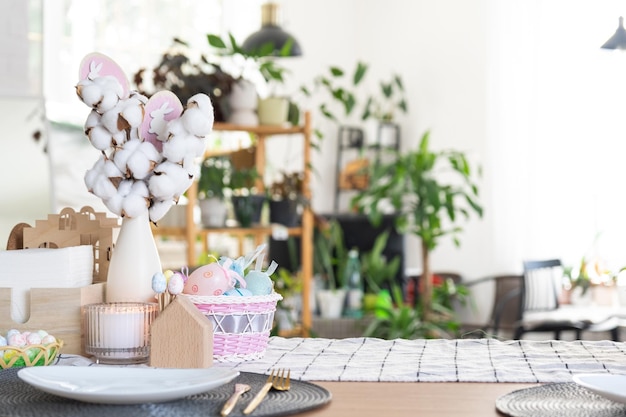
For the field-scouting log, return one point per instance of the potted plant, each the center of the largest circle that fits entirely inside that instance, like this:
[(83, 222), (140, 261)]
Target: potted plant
[(381, 111), (214, 173), (247, 201), (285, 198), (177, 72), (378, 271), (261, 63), (329, 262), (426, 205)]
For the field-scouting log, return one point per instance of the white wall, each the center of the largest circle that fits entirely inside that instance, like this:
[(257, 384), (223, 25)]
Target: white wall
[(440, 49)]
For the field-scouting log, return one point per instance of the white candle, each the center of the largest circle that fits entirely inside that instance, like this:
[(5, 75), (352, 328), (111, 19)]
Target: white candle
[(118, 332)]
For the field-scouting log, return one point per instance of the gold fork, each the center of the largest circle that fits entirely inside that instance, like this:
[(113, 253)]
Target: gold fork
[(277, 380)]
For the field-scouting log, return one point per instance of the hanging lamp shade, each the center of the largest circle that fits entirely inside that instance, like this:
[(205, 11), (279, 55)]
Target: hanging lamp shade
[(618, 40), (271, 33)]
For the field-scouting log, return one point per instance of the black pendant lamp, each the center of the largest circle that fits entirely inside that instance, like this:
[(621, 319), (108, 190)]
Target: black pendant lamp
[(271, 33), (618, 40)]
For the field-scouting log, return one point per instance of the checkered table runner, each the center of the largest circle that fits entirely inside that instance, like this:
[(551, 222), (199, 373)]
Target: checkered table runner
[(466, 360)]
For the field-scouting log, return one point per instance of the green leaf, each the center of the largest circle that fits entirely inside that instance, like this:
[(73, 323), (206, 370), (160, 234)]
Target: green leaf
[(359, 73), (286, 49), (216, 42), (336, 71)]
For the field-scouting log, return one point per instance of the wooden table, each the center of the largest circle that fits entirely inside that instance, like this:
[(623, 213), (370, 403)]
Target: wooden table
[(441, 399)]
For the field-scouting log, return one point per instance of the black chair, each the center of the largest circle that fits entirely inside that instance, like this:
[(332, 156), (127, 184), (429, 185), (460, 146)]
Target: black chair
[(540, 310), (505, 306)]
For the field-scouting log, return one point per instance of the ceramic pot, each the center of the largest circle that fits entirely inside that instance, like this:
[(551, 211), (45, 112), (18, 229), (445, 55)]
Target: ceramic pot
[(273, 111), (284, 212), (134, 261), (213, 211), (243, 103), (248, 209), (330, 303)]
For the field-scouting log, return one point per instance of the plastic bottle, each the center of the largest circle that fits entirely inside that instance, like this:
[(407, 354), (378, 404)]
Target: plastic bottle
[(354, 286)]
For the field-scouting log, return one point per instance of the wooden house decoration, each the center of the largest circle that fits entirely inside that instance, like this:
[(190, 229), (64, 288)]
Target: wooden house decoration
[(70, 228), (181, 337)]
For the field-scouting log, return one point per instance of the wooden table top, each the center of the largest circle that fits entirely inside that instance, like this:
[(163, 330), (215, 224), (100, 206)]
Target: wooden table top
[(441, 399)]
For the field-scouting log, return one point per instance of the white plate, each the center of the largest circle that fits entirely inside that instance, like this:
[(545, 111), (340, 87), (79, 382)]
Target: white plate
[(111, 385), (612, 387)]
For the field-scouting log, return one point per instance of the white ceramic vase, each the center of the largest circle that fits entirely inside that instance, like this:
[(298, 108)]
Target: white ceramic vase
[(330, 303), (243, 104), (134, 261)]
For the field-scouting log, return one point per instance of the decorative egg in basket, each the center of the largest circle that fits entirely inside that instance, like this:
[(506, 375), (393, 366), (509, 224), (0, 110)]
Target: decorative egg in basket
[(19, 349)]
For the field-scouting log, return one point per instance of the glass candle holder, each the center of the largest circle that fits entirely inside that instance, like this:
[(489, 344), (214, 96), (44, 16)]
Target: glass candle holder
[(118, 333)]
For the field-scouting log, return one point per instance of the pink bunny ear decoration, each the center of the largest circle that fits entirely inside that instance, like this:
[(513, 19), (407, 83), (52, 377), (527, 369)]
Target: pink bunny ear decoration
[(161, 108), (95, 65)]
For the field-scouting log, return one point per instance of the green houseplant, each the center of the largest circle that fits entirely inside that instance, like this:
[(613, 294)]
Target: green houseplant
[(377, 270), (427, 206), (285, 198), (329, 263), (272, 110)]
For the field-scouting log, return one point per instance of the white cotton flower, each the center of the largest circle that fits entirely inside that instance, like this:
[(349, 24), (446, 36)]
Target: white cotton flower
[(94, 172), (122, 154), (93, 120), (176, 148), (89, 92), (100, 138), (136, 95), (119, 139), (109, 100), (198, 116), (143, 160), (110, 84), (115, 203), (137, 201), (132, 112), (174, 128), (110, 119), (191, 165), (103, 187), (159, 209), (169, 181), (111, 170)]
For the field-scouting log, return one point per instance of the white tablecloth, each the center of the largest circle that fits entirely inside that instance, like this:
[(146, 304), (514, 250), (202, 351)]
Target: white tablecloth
[(464, 360)]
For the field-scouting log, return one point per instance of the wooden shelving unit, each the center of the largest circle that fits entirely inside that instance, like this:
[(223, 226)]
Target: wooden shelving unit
[(191, 231)]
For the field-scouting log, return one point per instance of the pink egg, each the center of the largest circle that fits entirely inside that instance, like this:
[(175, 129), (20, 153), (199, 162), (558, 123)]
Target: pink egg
[(208, 280), (17, 340)]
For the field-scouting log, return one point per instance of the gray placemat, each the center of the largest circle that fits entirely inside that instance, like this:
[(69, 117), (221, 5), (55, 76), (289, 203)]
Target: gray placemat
[(18, 399), (558, 400)]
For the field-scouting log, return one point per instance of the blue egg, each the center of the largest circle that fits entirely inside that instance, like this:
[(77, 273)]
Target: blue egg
[(259, 283)]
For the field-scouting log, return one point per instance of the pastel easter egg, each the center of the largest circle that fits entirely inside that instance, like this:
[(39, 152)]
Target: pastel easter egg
[(176, 284), (259, 283), (17, 339), (3, 341), (159, 282), (208, 280), (46, 340), (33, 339), (12, 332)]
